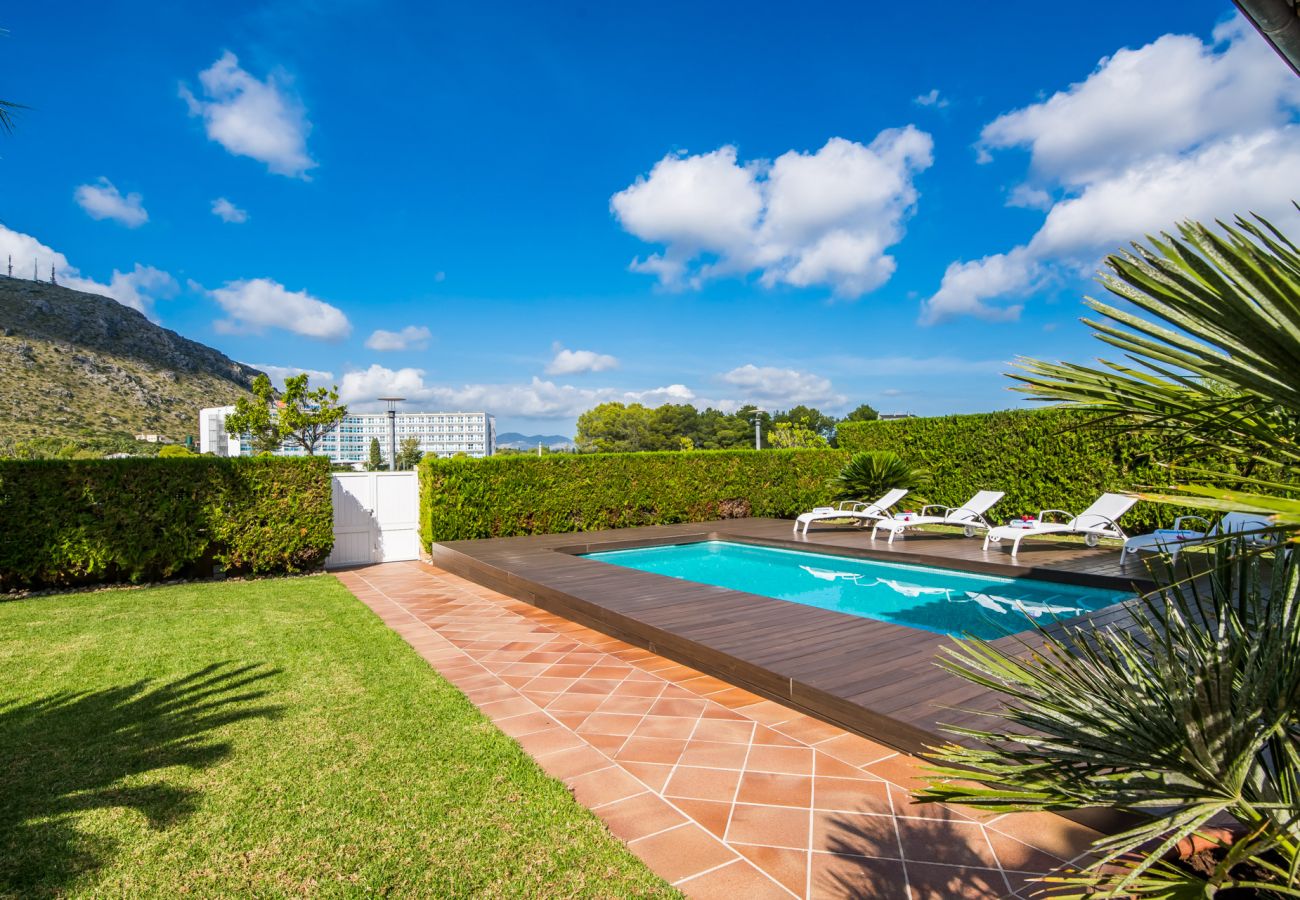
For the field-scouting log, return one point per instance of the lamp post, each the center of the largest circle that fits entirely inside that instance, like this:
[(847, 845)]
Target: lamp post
[(392, 430), (758, 428)]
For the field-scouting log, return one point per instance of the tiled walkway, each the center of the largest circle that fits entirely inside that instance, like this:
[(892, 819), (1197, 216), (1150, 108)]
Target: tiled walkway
[(721, 792)]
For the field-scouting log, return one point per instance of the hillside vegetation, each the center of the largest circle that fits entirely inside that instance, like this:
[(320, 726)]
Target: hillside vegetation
[(84, 367)]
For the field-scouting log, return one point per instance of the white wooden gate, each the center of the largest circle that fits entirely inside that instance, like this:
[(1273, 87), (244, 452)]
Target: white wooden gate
[(376, 518)]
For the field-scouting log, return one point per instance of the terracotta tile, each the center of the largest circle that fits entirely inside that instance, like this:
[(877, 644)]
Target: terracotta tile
[(809, 730), (565, 671), (771, 738), (716, 730), (839, 877), (652, 775), (655, 750), (576, 702), (1013, 854), (550, 740), (904, 805), (529, 722), (1054, 834), (577, 761), (571, 720), (721, 713), (737, 879), (715, 754), (639, 816), (712, 815), (930, 882), (637, 706), (787, 760), (604, 786), (632, 688), (854, 750), (834, 768), (855, 834), (905, 771), (789, 867), (858, 795), (550, 685), (605, 670), (774, 826), (678, 707), (609, 723), (594, 686), (775, 790), (703, 784), (768, 712), (682, 852), (950, 843), (734, 698), (666, 727), (608, 744)]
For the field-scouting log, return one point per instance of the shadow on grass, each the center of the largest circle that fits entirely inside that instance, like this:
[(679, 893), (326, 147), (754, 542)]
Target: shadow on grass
[(69, 753)]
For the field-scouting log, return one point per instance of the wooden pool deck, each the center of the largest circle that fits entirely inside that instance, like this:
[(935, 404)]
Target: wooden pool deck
[(874, 678)]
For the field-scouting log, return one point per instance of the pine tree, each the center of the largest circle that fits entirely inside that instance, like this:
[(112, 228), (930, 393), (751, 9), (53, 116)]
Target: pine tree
[(376, 461)]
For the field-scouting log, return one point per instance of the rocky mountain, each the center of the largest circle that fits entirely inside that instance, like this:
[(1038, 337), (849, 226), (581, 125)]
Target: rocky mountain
[(517, 441), (79, 365)]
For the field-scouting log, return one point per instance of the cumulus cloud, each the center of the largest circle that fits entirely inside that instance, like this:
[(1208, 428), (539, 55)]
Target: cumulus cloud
[(102, 200), (226, 211), (412, 337), (278, 374), (1177, 129), (931, 98), (255, 304), (823, 218), (138, 288), (771, 386), (535, 399), (573, 362), (263, 120)]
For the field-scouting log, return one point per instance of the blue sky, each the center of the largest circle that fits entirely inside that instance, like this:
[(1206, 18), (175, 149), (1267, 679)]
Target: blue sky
[(539, 207)]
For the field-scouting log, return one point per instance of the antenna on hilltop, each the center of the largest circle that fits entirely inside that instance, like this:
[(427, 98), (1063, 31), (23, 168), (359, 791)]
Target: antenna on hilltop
[(52, 279), (35, 275), (11, 265)]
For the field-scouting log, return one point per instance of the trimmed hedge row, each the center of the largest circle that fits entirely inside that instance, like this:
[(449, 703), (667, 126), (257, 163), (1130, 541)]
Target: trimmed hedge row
[(1042, 458), (512, 495), (66, 522)]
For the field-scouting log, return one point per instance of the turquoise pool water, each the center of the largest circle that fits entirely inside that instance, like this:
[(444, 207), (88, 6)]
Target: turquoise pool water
[(939, 600)]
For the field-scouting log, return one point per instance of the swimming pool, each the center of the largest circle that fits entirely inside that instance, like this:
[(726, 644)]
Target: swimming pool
[(938, 600)]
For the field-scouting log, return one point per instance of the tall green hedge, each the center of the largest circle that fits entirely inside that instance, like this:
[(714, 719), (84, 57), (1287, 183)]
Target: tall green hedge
[(1042, 458), (66, 522), (512, 495)]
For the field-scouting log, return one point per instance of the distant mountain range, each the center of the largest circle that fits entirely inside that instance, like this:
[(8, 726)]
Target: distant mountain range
[(78, 365), (516, 441)]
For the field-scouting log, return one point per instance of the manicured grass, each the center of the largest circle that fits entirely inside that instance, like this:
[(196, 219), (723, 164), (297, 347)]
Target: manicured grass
[(268, 738)]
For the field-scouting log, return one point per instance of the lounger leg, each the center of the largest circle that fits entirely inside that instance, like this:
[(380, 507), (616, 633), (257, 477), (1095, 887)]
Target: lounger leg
[(1015, 545), (893, 533)]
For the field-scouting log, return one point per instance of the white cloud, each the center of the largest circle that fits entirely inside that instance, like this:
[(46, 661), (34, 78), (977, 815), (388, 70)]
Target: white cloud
[(573, 362), (931, 98), (138, 288), (278, 374), (226, 211), (536, 399), (103, 200), (256, 304), (770, 386), (263, 120), (412, 337), (823, 218), (1175, 130)]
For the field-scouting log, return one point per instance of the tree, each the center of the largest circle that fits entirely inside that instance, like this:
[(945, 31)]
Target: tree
[(789, 435), (255, 417), (864, 413), (809, 417), (7, 115), (613, 428), (307, 416), (409, 453), (376, 461)]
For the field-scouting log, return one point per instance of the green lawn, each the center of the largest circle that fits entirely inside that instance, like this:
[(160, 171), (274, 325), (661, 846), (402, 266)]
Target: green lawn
[(266, 738)]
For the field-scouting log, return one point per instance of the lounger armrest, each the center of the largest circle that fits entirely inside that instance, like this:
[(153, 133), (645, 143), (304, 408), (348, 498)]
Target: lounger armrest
[(1178, 522), (926, 509), (1107, 519), (1042, 516)]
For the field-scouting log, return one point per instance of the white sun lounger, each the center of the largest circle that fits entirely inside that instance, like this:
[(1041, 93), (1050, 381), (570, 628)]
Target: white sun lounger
[(1094, 523), (860, 512), (969, 516), (1175, 540)]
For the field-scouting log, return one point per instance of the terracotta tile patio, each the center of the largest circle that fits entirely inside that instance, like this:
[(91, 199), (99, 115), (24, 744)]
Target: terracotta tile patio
[(719, 791)]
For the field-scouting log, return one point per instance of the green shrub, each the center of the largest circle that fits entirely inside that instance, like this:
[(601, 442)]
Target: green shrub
[(65, 522), (1042, 458), (512, 495)]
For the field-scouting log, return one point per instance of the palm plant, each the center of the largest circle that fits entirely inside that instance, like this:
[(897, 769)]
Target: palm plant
[(1190, 717), (870, 473), (1218, 364), (7, 115)]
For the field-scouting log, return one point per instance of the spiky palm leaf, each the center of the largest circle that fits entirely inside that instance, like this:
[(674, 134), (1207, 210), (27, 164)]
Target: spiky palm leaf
[(7, 115), (1217, 364), (1192, 714), (871, 473)]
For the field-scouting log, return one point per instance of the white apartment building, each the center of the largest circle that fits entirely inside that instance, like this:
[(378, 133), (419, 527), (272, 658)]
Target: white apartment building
[(439, 433)]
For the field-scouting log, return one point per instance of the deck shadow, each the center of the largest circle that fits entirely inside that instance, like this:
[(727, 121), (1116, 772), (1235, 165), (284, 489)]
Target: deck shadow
[(69, 753)]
